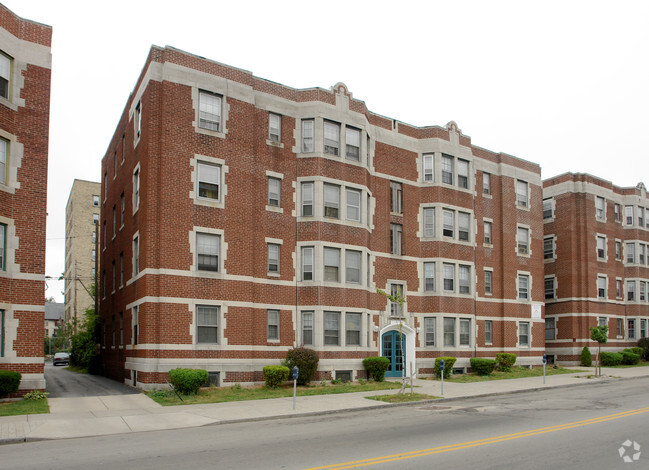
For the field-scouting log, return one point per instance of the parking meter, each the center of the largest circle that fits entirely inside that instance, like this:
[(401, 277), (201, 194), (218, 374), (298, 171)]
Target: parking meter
[(295, 372)]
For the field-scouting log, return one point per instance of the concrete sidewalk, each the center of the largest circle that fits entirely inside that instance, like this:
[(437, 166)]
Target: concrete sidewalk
[(117, 414)]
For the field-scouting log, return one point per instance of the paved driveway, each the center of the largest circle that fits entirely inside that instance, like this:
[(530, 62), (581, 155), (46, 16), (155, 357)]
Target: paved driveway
[(62, 383)]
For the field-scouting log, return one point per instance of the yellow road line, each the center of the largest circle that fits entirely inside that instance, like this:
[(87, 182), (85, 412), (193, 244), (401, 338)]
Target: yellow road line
[(480, 442)]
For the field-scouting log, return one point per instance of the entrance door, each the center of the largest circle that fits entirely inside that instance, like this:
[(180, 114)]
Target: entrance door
[(392, 349)]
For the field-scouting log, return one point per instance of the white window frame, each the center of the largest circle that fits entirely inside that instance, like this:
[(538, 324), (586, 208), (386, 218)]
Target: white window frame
[(351, 268), (5, 75), (351, 206), (600, 242), (524, 325), (199, 325), (464, 279), (208, 119), (352, 143), (488, 331), (486, 183), (274, 192), (428, 161), (396, 239), (307, 198), (272, 325), (487, 233), (600, 208), (308, 137), (448, 169), (396, 197), (307, 253), (331, 146), (488, 281), (429, 276), (209, 175), (602, 284), (430, 331), (428, 222), (448, 268), (307, 323), (216, 253), (523, 242), (463, 174), (331, 204), (522, 190), (273, 258), (274, 127), (553, 291), (331, 318), (524, 293), (351, 327), (327, 263), (137, 177)]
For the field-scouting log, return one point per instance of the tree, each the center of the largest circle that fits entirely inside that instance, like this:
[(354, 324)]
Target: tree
[(398, 298), (83, 352), (600, 334)]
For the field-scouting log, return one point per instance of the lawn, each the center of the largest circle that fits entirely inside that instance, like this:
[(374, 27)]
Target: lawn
[(24, 407), (239, 393), (402, 397), (516, 373)]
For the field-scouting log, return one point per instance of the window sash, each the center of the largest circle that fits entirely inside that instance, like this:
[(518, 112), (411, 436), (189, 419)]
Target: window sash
[(449, 331), (487, 233), (206, 324), (523, 287), (274, 188), (273, 258), (5, 75), (209, 115), (488, 284), (428, 167), (462, 173), (464, 276), (353, 197), (550, 332), (547, 209), (447, 169), (523, 334), (486, 183), (4, 146), (601, 287), (331, 201), (274, 127), (600, 205), (332, 264), (396, 308), (307, 263), (353, 329), (548, 248), (464, 224), (465, 332), (395, 239), (3, 247), (307, 199), (448, 228), (332, 328), (429, 277), (521, 193), (429, 222), (353, 143), (307, 136), (353, 266), (272, 325), (523, 240), (548, 285), (449, 277), (207, 252), (209, 181), (396, 197), (331, 138), (429, 331), (601, 247), (488, 331), (307, 328)]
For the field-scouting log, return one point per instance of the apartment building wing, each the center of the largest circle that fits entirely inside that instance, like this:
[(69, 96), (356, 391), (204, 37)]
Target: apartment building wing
[(241, 218), (25, 71), (596, 255)]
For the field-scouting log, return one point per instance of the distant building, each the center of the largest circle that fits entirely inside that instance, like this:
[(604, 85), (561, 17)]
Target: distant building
[(81, 221), (596, 255), (241, 218), (54, 317), (25, 71)]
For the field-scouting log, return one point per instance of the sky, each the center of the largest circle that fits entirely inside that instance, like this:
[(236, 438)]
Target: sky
[(564, 84)]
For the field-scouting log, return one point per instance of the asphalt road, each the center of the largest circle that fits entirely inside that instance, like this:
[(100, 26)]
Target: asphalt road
[(579, 427), (61, 383)]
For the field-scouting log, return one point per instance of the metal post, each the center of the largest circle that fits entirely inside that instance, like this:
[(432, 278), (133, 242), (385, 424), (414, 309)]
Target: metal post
[(294, 391), (441, 368), (545, 359)]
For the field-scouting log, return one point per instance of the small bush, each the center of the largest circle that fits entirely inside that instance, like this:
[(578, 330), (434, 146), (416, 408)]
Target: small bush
[(610, 359), (376, 366), (505, 361), (629, 357), (448, 366), (187, 381), (9, 382), (36, 395), (275, 375), (644, 344), (483, 366), (586, 357), (306, 360), (635, 350)]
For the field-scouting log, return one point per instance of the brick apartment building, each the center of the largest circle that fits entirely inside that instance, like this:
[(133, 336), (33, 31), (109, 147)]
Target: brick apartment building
[(596, 254), (241, 218), (25, 69), (81, 220)]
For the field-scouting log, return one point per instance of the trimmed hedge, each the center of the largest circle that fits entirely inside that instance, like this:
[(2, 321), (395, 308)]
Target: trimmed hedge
[(483, 366), (306, 360), (610, 359), (644, 344), (376, 367), (448, 366), (187, 381), (274, 376), (635, 350), (9, 382), (629, 357), (505, 361), (586, 357)]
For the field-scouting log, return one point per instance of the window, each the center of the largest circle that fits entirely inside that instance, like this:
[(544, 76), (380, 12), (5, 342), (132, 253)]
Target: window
[(272, 325), (307, 136), (463, 173), (521, 193), (429, 222), (447, 169), (207, 252), (630, 252), (396, 308), (105, 185), (429, 331), (449, 331), (618, 250), (95, 218), (136, 255), (122, 208), (353, 144), (550, 332), (352, 329), (114, 278), (207, 324), (331, 201), (273, 258), (4, 152), (448, 227), (353, 266), (429, 277), (486, 183), (619, 327), (121, 270), (307, 199), (549, 287), (103, 283), (524, 334), (395, 239), (618, 288), (396, 195), (331, 138), (3, 247), (134, 322), (136, 189), (465, 332), (488, 331), (331, 328), (274, 188), (601, 247), (332, 264), (274, 127), (465, 279), (114, 221), (602, 321), (600, 207), (630, 290), (95, 199), (307, 263), (487, 233), (463, 226), (449, 277), (353, 198), (643, 291), (601, 287), (523, 287), (523, 239), (121, 328), (307, 328), (548, 248), (641, 253), (209, 111), (428, 167), (631, 328), (138, 120), (547, 209), (618, 212), (628, 215), (643, 328), (488, 282), (209, 181), (5, 75), (640, 216)]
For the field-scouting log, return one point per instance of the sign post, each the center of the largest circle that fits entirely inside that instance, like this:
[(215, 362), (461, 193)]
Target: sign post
[(441, 368), (295, 373), (545, 360)]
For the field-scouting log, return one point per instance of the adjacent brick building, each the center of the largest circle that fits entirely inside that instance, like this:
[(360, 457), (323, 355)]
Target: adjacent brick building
[(596, 254), (241, 218), (25, 70)]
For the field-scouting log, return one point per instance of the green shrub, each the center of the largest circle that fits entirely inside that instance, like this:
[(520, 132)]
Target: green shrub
[(187, 381), (505, 361), (275, 375), (9, 382), (635, 350), (306, 360), (448, 366), (483, 366), (644, 344), (629, 357), (35, 395), (376, 366), (610, 359), (586, 357)]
